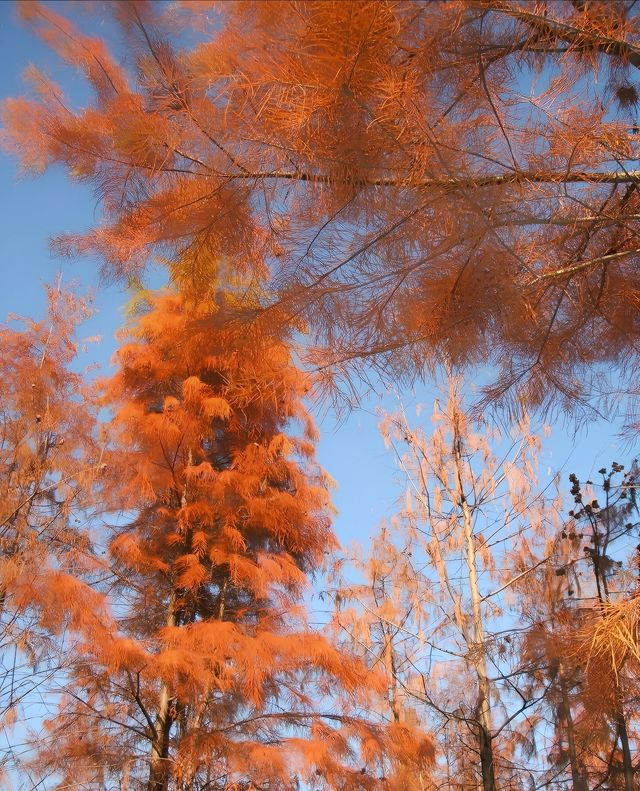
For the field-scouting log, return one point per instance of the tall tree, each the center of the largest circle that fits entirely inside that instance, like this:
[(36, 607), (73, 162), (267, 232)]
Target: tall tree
[(423, 180), (214, 680), (568, 739), (603, 526), (461, 545), (379, 615)]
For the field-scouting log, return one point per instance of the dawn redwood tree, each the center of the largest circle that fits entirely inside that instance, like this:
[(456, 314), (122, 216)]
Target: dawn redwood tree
[(424, 181), (433, 600), (570, 741), (379, 614), (214, 679), (50, 470)]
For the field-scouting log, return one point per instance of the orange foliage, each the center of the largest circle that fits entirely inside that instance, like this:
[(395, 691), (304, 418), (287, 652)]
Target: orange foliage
[(406, 184), (418, 180), (214, 676), (50, 471)]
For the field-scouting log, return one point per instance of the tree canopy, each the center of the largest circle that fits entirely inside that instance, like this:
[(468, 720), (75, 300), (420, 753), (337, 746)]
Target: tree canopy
[(419, 181), (333, 191)]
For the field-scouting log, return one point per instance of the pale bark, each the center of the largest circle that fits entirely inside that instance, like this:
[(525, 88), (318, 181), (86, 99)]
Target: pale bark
[(477, 645)]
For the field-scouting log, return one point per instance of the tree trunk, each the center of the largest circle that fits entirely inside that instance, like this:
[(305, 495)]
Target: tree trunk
[(476, 646), (390, 666), (627, 763), (486, 753), (159, 763), (159, 769), (579, 783)]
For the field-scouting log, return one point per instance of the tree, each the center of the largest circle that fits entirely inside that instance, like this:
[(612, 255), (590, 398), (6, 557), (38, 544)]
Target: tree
[(424, 181), (214, 680), (378, 615), (606, 525), (462, 545), (50, 468), (578, 605), (568, 739)]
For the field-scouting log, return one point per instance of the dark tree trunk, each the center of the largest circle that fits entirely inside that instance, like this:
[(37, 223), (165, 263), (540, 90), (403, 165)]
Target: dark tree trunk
[(486, 760)]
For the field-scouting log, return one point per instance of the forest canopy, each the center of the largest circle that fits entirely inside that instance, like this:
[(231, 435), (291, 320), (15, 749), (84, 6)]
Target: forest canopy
[(307, 198)]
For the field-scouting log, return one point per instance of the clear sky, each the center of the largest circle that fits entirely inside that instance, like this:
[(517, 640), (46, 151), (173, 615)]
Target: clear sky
[(34, 209)]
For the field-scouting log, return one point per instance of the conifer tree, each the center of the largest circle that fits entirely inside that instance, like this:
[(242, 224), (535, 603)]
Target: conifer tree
[(214, 680), (50, 468)]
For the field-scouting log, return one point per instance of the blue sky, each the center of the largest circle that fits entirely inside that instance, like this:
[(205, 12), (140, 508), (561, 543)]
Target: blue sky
[(351, 449)]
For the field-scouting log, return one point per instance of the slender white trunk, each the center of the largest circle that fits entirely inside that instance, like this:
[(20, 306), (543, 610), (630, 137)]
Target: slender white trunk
[(477, 651)]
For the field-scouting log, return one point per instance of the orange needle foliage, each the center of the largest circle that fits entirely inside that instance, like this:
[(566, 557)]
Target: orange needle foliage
[(49, 467), (215, 680), (423, 180), (432, 601), (583, 642)]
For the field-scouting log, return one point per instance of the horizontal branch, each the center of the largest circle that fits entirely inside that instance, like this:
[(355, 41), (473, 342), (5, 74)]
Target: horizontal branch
[(452, 182)]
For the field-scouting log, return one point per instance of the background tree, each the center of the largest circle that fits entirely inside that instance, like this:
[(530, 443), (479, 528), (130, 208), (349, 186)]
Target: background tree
[(423, 181), (608, 529), (567, 740), (379, 597), (214, 680), (577, 604), (462, 544), (50, 463)]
